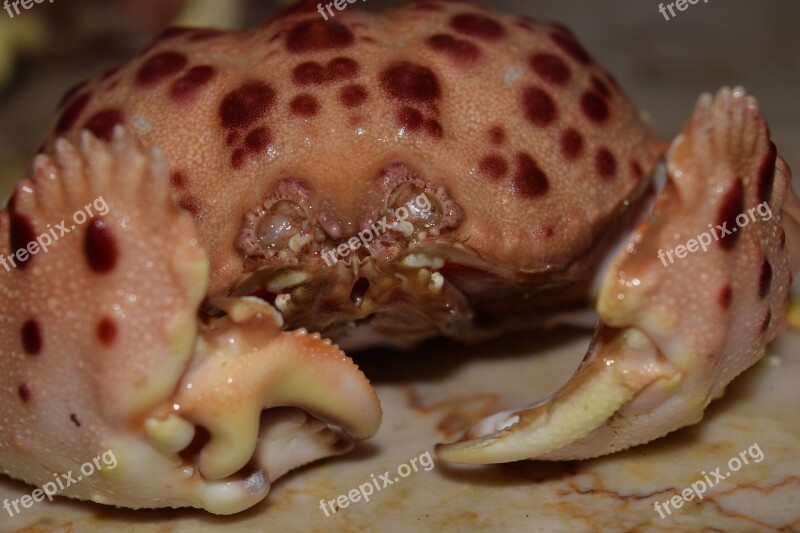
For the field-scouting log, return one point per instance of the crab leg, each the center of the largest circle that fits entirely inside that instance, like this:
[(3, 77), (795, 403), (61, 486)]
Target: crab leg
[(104, 353), (674, 330)]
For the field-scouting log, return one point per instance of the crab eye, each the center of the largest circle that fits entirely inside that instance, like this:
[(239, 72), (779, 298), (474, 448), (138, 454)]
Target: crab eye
[(283, 221), (412, 203)]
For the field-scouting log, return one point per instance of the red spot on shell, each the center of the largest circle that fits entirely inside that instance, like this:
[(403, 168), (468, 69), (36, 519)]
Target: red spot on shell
[(571, 46), (247, 104), (22, 233), (540, 109), (160, 67), (782, 238), (410, 118), (32, 341), (72, 113), (732, 206), (102, 123), (343, 68), (258, 139), (765, 279), (606, 163), (497, 135), (107, 331), (434, 129), (493, 167), (547, 231), (571, 144), (24, 393), (192, 205), (550, 68), (185, 87), (478, 26), (317, 35), (100, 247), (313, 73), (309, 73), (726, 297), (304, 105), (353, 95), (458, 50), (237, 161), (766, 174), (600, 87), (594, 107), (530, 180), (178, 179), (406, 81)]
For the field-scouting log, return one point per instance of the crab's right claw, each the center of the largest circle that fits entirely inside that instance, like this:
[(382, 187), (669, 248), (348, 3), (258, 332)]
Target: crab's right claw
[(674, 330)]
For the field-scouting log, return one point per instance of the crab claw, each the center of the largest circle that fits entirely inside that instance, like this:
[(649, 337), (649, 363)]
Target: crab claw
[(244, 364), (675, 329), (116, 364)]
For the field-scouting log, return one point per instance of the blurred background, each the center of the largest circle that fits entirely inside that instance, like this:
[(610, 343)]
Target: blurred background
[(664, 65)]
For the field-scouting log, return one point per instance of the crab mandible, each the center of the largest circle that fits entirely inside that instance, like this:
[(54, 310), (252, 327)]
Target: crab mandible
[(440, 169)]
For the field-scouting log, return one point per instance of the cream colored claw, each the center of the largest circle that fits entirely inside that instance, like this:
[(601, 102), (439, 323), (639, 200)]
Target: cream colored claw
[(673, 335), (551, 428), (265, 398)]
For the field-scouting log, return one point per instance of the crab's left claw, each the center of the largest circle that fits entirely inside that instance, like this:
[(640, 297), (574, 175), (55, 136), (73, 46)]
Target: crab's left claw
[(678, 321)]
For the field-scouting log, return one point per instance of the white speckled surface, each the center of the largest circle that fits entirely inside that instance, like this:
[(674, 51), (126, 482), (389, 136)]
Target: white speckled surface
[(431, 394)]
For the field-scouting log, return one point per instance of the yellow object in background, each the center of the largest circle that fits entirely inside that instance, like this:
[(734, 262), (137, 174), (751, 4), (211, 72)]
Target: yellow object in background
[(204, 13), (18, 35), (794, 313)]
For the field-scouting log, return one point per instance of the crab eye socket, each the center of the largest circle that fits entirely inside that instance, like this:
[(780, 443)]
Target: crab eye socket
[(410, 202), (280, 223)]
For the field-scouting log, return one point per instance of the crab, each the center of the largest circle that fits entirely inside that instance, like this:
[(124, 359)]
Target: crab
[(438, 169)]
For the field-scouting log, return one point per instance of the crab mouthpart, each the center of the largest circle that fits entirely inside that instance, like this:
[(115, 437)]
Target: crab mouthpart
[(257, 402)]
